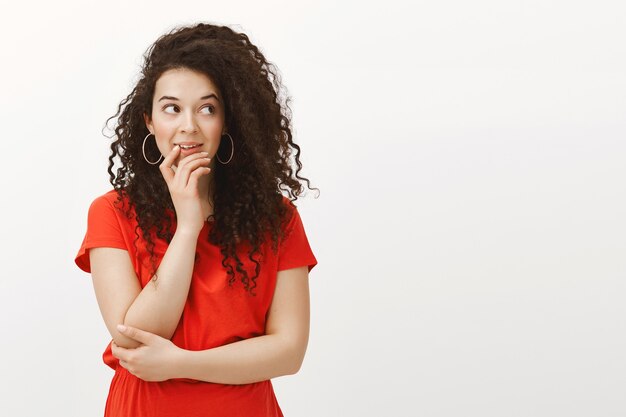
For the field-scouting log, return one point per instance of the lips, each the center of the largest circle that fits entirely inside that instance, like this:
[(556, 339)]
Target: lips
[(188, 145)]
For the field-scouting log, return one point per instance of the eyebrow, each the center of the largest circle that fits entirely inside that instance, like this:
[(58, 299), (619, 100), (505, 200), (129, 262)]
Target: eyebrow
[(201, 98)]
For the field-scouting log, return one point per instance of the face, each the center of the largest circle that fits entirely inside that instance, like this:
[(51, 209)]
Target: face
[(187, 109)]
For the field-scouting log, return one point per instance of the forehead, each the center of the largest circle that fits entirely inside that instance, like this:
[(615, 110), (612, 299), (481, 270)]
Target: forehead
[(184, 84)]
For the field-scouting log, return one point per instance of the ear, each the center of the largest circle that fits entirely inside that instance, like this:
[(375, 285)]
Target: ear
[(148, 122)]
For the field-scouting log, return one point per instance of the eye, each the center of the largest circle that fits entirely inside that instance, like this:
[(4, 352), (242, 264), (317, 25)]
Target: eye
[(169, 105), (212, 108)]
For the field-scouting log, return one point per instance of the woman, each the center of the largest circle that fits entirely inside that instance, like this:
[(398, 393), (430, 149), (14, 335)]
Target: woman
[(195, 250)]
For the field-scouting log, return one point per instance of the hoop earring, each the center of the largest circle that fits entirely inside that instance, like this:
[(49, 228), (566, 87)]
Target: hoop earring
[(143, 149), (232, 150)]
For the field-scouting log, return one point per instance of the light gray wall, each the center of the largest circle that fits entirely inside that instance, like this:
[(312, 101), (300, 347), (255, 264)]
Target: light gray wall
[(470, 230)]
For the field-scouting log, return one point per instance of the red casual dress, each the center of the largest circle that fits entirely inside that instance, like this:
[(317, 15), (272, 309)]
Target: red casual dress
[(214, 314)]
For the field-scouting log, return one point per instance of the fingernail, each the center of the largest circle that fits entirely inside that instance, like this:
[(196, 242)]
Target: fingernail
[(121, 327)]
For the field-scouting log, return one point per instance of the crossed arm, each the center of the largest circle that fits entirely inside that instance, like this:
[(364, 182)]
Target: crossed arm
[(152, 356)]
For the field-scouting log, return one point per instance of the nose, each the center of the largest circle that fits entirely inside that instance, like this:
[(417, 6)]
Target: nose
[(188, 123)]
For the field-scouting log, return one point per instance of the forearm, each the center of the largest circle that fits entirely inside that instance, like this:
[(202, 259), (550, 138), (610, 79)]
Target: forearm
[(159, 305), (243, 362)]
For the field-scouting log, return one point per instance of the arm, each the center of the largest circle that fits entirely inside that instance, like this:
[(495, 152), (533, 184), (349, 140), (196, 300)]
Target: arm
[(158, 306), (278, 352)]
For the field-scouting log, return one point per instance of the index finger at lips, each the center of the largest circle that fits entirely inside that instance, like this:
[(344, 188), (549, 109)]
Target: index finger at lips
[(171, 156), (166, 165)]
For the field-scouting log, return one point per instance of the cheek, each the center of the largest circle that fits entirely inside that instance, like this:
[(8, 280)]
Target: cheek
[(164, 129), (213, 135), (213, 131), (161, 142), (162, 145), (164, 135)]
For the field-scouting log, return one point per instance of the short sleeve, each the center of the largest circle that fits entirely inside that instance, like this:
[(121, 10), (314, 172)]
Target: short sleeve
[(103, 230), (294, 249)]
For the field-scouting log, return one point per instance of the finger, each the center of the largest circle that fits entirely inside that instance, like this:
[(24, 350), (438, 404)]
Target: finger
[(190, 166), (194, 177), (166, 165), (117, 351), (184, 170), (190, 158), (135, 333)]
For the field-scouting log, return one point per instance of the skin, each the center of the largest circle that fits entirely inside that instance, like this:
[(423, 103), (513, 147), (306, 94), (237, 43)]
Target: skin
[(279, 352), (180, 114), (150, 356)]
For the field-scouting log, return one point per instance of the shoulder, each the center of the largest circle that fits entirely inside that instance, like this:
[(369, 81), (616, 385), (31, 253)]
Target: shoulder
[(291, 220), (115, 197), (290, 210), (288, 203), (110, 202)]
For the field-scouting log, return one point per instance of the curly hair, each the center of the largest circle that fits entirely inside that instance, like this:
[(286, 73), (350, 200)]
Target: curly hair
[(249, 206)]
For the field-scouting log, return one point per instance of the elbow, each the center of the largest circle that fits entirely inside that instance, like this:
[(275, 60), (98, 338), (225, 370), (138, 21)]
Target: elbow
[(119, 338), (129, 343), (297, 358), (125, 342), (165, 330), (296, 368)]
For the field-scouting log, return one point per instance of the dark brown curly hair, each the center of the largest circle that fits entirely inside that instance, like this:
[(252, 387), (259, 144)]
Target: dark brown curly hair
[(248, 201)]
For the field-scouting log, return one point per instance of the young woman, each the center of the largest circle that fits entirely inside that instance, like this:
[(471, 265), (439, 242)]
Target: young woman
[(196, 252)]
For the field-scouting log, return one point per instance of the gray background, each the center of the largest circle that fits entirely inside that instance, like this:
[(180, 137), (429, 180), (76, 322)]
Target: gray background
[(470, 229)]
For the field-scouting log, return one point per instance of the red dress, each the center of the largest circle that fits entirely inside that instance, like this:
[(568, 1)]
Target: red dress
[(214, 314)]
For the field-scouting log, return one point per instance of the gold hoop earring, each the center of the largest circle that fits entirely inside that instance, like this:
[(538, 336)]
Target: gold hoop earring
[(232, 150), (143, 149)]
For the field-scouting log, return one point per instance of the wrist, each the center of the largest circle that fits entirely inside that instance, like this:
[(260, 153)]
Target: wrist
[(179, 369), (187, 231)]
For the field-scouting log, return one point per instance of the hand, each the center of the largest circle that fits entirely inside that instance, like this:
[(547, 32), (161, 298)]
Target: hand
[(155, 360), (182, 182)]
